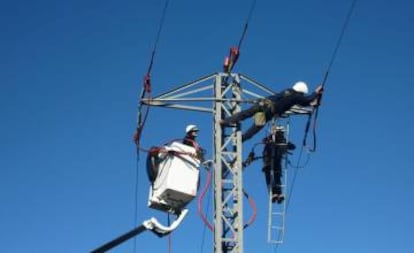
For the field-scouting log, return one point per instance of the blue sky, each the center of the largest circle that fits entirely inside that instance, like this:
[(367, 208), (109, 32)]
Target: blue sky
[(70, 75)]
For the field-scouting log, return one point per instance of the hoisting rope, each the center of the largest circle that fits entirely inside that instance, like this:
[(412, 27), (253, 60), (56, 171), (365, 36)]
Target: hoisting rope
[(313, 116), (254, 212), (200, 200), (203, 236), (234, 52), (157, 150)]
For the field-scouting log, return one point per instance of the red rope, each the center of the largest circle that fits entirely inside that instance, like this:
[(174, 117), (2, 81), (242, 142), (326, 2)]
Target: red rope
[(172, 152), (253, 205), (204, 218), (200, 199), (231, 59)]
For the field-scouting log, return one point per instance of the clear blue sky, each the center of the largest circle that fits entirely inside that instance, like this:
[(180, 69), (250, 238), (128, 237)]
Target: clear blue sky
[(70, 75)]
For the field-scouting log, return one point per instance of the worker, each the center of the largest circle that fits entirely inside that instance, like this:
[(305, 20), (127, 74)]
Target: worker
[(275, 106), (275, 149), (191, 133)]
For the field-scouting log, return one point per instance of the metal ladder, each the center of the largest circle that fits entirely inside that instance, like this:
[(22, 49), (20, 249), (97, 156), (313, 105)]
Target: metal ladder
[(276, 217), (277, 212)]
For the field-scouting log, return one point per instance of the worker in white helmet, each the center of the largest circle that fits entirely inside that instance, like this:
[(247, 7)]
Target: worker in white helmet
[(191, 133), (275, 149), (275, 106)]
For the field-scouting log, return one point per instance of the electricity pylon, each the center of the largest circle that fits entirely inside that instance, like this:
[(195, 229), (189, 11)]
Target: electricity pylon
[(222, 95)]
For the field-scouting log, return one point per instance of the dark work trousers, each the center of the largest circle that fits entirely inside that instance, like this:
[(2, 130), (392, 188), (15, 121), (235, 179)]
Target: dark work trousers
[(240, 116), (273, 165), (237, 117)]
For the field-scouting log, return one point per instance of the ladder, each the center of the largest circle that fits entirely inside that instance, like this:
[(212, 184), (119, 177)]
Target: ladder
[(277, 211)]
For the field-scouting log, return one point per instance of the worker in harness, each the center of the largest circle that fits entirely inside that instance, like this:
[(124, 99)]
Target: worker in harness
[(275, 149), (274, 106)]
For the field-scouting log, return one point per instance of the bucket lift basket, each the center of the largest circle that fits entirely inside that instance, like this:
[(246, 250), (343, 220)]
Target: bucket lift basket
[(174, 173)]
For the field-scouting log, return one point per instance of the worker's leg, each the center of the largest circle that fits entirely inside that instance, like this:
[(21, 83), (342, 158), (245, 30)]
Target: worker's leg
[(266, 171), (277, 181), (235, 118), (251, 132), (259, 122)]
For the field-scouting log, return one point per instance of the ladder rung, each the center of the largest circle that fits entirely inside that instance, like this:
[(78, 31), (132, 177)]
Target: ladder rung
[(276, 241), (277, 227)]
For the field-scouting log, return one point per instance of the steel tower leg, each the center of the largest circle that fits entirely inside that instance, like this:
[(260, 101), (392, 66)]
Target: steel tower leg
[(228, 215)]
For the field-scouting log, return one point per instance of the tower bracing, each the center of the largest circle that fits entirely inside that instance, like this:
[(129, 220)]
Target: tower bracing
[(228, 186)]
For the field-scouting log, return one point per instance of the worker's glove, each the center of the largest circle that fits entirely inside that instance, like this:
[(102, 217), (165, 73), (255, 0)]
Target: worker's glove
[(249, 159), (291, 146), (319, 89)]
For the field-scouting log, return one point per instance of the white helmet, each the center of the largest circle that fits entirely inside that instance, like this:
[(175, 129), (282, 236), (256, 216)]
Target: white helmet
[(191, 128), (277, 128), (300, 87)]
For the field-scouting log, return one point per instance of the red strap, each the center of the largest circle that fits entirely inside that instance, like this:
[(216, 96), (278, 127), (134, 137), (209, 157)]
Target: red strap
[(234, 54), (231, 59), (147, 83), (226, 64)]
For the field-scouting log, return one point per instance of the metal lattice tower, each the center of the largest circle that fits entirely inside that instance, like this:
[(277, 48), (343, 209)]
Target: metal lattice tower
[(228, 183), (223, 95)]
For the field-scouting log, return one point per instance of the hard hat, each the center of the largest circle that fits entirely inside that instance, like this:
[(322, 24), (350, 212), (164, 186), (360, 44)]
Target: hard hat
[(191, 128), (300, 87), (276, 128)]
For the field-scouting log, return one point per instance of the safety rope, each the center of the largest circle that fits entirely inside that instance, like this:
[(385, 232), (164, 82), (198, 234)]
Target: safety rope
[(173, 152), (314, 115), (205, 188), (254, 212), (200, 200)]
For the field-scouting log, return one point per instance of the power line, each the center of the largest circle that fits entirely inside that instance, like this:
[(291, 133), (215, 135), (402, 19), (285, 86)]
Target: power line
[(315, 112), (146, 88), (157, 38), (249, 17), (340, 38)]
